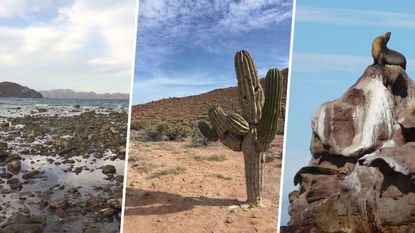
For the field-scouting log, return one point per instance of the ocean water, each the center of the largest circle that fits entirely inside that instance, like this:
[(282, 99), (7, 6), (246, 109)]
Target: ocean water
[(20, 107), (63, 102)]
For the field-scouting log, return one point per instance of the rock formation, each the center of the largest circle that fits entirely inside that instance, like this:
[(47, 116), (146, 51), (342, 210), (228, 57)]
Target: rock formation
[(361, 174), (9, 89)]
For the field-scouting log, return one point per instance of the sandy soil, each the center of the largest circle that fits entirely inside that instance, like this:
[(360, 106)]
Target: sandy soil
[(174, 188)]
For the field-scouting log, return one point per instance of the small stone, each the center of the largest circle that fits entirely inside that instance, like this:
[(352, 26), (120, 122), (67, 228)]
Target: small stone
[(58, 203), (107, 212), (108, 169)]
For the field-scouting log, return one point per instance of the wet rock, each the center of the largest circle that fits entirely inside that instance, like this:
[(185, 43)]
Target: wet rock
[(95, 202), (42, 110), (115, 203), (58, 203), (3, 145), (78, 170), (108, 169), (61, 213), (73, 190), (22, 223), (31, 175), (14, 166), (6, 175), (14, 184), (107, 212)]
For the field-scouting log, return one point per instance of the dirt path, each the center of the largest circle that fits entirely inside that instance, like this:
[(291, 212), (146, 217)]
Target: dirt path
[(174, 188)]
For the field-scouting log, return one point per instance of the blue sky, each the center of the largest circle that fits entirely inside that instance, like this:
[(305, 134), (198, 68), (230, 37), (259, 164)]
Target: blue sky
[(187, 47), (332, 42), (84, 45)]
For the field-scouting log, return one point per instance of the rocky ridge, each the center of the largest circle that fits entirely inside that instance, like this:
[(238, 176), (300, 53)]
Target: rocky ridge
[(361, 174), (9, 89)]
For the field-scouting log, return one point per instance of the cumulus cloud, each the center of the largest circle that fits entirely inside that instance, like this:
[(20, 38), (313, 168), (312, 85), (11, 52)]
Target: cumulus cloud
[(85, 44), (204, 24)]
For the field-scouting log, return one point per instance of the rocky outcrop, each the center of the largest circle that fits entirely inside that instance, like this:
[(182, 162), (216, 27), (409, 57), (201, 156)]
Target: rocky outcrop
[(361, 174), (9, 89)]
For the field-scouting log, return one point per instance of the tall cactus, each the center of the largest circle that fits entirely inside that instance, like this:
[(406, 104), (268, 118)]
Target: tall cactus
[(253, 132)]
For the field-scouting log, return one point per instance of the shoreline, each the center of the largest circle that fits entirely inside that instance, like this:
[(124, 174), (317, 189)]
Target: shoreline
[(62, 166)]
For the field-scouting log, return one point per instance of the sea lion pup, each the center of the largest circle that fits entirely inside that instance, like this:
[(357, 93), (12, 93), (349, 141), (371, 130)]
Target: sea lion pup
[(382, 55)]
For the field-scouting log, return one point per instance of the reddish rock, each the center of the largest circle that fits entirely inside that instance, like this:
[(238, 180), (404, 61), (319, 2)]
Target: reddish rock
[(361, 177)]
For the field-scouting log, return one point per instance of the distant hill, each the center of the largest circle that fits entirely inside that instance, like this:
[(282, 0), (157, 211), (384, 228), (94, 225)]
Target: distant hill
[(9, 89), (70, 94), (186, 110)]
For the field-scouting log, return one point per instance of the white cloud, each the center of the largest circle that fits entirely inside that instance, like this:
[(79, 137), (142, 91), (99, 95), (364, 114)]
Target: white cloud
[(204, 24), (352, 17), (87, 45)]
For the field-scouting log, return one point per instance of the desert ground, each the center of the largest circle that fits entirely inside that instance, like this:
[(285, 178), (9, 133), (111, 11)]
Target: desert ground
[(173, 187)]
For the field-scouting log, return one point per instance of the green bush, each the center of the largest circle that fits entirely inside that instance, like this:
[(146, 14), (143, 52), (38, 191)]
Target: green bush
[(138, 125), (198, 139), (177, 133), (157, 132)]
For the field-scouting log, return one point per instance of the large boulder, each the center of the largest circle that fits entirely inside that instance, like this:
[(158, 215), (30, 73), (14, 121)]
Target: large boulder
[(361, 174)]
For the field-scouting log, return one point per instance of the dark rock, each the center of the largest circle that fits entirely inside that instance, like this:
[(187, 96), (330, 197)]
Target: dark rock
[(95, 202), (108, 169), (22, 223), (31, 175), (115, 203), (6, 175), (14, 183), (107, 212)]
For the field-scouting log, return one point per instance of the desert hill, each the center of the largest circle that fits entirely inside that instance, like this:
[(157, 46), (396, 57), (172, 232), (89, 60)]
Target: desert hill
[(10, 89), (186, 110)]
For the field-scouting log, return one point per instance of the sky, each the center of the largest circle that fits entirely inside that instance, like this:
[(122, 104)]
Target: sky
[(331, 49), (84, 45), (187, 47)]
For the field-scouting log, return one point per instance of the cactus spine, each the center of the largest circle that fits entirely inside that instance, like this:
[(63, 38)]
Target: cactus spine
[(253, 132)]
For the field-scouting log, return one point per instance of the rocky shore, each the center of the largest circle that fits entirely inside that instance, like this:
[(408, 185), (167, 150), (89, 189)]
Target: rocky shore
[(62, 173)]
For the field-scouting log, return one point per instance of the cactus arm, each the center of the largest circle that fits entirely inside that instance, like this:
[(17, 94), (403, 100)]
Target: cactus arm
[(217, 117), (207, 131), (237, 124), (268, 124), (251, 96)]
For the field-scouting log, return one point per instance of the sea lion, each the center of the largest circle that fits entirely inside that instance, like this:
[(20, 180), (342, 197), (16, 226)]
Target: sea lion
[(382, 55)]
